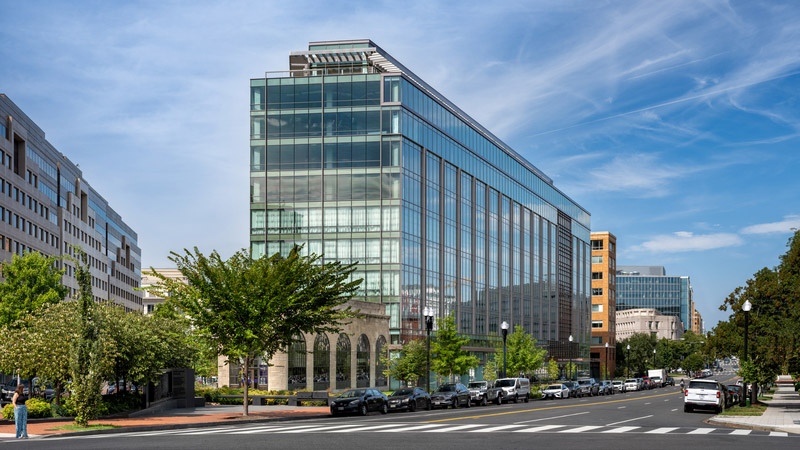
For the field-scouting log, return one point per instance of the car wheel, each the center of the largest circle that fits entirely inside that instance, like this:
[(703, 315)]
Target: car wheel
[(385, 408), (499, 400), (526, 398), (334, 413), (363, 409), (469, 402), (455, 403), (483, 401), (687, 408), (412, 406)]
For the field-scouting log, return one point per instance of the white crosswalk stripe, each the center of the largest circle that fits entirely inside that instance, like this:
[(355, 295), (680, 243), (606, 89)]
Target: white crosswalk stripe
[(740, 432), (779, 433), (489, 430), (702, 431), (664, 430), (419, 427), (447, 430), (538, 429), (621, 429), (581, 429)]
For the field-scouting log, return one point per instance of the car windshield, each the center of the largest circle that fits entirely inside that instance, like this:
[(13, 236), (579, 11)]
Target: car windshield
[(448, 388), (702, 385), (554, 386), (476, 385), (354, 393), (631, 381), (583, 381), (504, 383), (617, 382), (403, 392)]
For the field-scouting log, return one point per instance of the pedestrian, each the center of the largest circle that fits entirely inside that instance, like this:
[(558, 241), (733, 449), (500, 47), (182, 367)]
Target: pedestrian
[(20, 411)]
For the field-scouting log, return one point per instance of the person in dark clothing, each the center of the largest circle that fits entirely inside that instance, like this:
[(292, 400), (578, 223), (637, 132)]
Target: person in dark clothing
[(20, 411)]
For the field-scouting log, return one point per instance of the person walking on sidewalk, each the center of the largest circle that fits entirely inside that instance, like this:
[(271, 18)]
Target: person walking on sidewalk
[(20, 411)]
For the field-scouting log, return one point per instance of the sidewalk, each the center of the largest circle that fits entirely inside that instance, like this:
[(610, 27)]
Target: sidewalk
[(782, 414), (175, 418)]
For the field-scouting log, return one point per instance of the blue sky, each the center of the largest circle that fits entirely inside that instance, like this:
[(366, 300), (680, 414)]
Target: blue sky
[(676, 124)]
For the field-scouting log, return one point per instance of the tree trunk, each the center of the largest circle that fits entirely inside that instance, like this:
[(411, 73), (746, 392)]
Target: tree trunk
[(245, 382), (58, 393)]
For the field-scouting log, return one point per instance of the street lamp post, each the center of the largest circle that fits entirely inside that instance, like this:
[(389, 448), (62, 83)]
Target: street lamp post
[(504, 331), (571, 361), (606, 360), (746, 308), (428, 312), (654, 359), (628, 363)]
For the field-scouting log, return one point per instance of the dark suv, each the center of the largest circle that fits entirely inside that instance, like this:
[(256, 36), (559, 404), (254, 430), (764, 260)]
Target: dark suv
[(588, 386), (452, 394)]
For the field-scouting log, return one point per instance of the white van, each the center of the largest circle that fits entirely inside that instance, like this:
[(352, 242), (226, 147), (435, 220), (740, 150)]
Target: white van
[(513, 389)]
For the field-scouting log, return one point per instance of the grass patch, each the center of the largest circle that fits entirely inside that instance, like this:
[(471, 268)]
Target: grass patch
[(73, 427), (752, 410)]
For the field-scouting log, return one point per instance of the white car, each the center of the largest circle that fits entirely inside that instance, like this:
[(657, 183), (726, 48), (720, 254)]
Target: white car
[(619, 386), (631, 384), (704, 393), (556, 391)]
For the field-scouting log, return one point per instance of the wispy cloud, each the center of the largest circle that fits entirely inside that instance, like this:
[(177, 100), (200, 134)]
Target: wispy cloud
[(786, 225), (685, 241)]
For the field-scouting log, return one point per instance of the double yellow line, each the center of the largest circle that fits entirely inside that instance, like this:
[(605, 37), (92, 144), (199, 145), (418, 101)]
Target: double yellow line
[(555, 407)]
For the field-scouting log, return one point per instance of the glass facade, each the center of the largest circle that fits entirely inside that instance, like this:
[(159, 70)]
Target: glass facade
[(355, 157), (671, 295)]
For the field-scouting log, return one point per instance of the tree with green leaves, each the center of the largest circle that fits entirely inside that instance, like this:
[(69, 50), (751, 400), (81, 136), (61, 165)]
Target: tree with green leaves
[(569, 370), (523, 356), (408, 364), (640, 356), (29, 281), (87, 350), (552, 369), (448, 355), (252, 308), (492, 367)]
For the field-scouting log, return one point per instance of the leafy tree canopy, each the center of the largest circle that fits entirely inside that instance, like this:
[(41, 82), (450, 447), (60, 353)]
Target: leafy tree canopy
[(30, 281), (448, 355)]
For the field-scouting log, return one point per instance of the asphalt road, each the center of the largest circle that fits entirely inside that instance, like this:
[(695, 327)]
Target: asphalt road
[(636, 420)]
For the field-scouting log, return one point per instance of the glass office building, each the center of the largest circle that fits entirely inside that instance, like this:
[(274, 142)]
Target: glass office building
[(360, 160), (651, 287)]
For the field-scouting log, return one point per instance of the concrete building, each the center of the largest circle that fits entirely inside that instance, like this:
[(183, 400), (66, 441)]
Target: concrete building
[(150, 299), (651, 287), (604, 304), (359, 159), (648, 320), (47, 206), (325, 362), (697, 323)]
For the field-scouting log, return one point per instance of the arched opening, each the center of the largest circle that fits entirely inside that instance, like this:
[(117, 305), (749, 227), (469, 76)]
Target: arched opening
[(297, 364), (322, 363), (362, 361), (380, 361), (343, 362)]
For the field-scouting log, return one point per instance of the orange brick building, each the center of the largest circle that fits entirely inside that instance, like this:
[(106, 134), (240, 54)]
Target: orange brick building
[(604, 304)]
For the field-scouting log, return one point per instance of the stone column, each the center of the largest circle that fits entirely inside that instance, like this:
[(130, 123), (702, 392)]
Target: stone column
[(332, 339), (309, 361), (353, 362), (279, 372)]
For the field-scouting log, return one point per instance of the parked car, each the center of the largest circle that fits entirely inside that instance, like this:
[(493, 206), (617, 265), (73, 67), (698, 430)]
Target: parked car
[(7, 392), (513, 389), (728, 396), (573, 387), (556, 391), (482, 392), (657, 381), (737, 392), (588, 386), (619, 386), (451, 394), (606, 388), (669, 381), (702, 393), (360, 401), (633, 384), (409, 399), (648, 383)]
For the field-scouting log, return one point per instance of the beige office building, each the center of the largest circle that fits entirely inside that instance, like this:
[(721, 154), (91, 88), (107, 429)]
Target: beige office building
[(648, 320)]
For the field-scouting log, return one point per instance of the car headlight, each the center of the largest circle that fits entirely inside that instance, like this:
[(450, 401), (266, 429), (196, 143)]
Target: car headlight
[(405, 400), (353, 403)]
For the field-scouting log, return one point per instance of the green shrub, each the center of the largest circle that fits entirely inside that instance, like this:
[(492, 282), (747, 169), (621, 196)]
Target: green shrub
[(58, 410), (121, 402), (37, 409)]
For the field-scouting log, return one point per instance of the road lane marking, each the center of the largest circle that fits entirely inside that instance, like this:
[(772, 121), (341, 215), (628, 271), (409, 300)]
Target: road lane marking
[(621, 407), (647, 403), (540, 428), (581, 429), (702, 431), (552, 407), (629, 420), (675, 409), (501, 427), (779, 433), (663, 430), (419, 427), (621, 430), (666, 400), (316, 428), (550, 418), (741, 432), (370, 428), (447, 430), (255, 430)]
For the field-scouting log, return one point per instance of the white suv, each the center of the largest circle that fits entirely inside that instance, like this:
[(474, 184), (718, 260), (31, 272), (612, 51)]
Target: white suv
[(704, 393), (513, 389)]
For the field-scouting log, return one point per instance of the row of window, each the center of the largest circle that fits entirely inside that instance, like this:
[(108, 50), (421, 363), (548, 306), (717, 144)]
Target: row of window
[(311, 92), (5, 160), (315, 188), (355, 219), (12, 246), (21, 223), (26, 200), (331, 155)]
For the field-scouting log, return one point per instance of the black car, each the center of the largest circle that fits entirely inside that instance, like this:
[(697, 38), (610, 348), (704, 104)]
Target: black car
[(360, 401), (409, 399), (452, 394), (573, 388)]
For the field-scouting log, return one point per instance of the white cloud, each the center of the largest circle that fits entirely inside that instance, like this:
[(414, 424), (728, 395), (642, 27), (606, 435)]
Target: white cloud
[(787, 224), (686, 241)]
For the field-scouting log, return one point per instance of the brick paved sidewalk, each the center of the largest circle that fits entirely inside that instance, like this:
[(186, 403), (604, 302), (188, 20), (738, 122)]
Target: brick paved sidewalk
[(173, 419), (782, 414)]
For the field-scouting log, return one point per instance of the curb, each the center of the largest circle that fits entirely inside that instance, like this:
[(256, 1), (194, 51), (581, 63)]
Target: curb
[(178, 426), (747, 426)]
